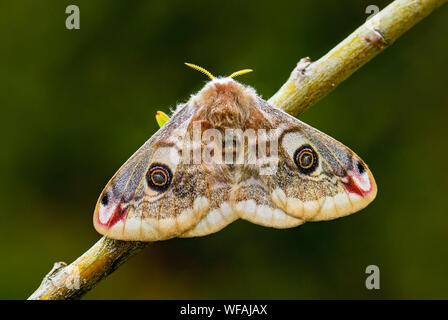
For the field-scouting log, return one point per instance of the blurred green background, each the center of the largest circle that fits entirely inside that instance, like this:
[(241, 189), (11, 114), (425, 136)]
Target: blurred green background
[(77, 103)]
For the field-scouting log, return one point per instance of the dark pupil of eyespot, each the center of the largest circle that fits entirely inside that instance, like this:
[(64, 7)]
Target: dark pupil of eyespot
[(159, 178), (105, 200), (306, 160)]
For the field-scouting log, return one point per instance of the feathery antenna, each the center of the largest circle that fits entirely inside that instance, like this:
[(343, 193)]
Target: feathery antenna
[(238, 73), (208, 74)]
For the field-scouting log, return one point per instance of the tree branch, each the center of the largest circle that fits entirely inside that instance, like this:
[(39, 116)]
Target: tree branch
[(308, 83), (74, 280)]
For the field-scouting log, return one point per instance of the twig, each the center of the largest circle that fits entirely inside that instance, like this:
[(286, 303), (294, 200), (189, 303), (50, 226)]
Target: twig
[(74, 280), (307, 84), (310, 82)]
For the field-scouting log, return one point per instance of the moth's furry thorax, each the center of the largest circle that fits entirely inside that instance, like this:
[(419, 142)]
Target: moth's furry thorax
[(226, 103)]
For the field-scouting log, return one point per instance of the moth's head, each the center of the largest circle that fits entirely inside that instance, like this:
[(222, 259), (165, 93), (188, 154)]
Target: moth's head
[(224, 101)]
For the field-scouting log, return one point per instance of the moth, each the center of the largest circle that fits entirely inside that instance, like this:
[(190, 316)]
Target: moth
[(192, 179)]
